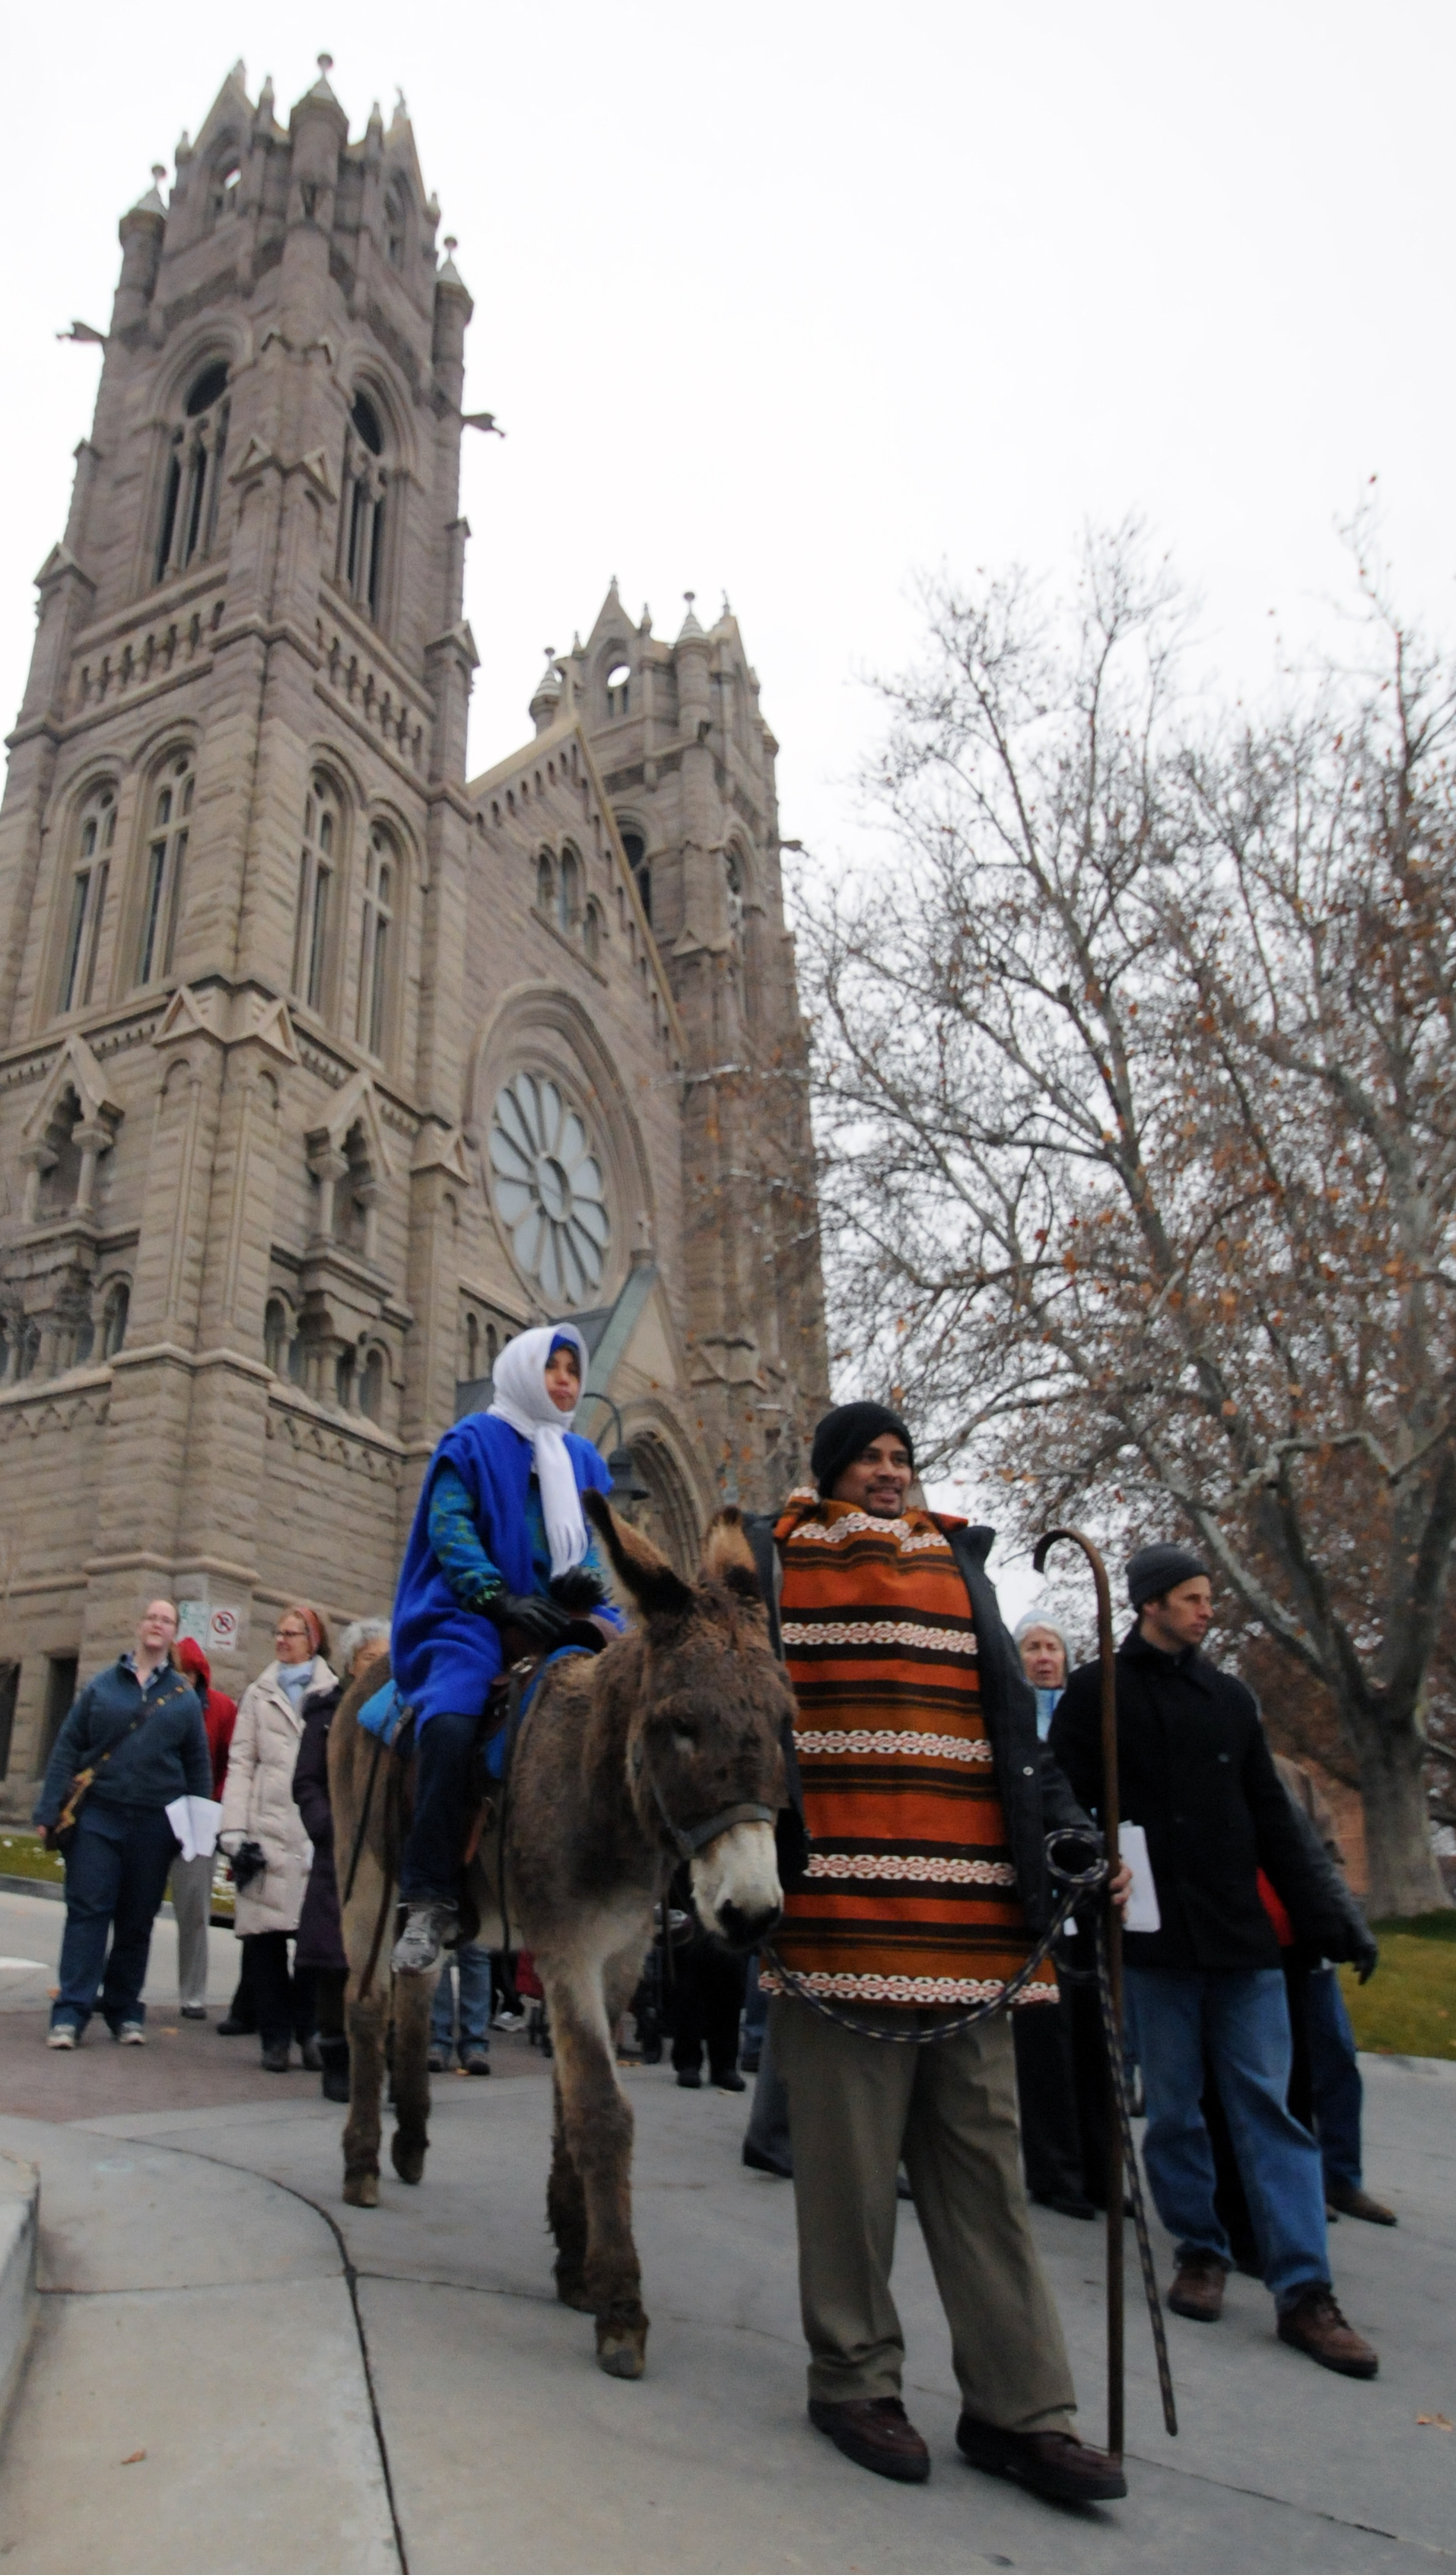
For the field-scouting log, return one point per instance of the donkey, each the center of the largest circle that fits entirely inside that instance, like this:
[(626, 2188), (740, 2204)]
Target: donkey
[(666, 1745)]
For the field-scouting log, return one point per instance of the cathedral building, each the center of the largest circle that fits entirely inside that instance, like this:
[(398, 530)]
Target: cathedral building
[(324, 1066)]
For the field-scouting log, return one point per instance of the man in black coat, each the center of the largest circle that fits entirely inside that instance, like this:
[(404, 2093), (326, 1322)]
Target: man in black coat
[(1196, 1772)]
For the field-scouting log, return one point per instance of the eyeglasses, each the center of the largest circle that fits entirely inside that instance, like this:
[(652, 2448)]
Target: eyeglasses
[(291, 1632)]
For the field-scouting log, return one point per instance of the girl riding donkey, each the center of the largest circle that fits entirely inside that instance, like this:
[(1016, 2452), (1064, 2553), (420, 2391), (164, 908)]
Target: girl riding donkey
[(501, 1563)]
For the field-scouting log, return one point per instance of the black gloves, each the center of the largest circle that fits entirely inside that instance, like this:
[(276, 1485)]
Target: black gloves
[(1367, 1958), (544, 1623), (248, 1860), (580, 1590)]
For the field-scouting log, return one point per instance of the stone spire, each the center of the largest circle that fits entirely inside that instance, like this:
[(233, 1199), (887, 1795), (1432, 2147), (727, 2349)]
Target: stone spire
[(547, 698)]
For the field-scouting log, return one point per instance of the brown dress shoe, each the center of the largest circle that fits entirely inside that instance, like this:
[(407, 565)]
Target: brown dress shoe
[(1358, 2203), (1054, 2464), (1316, 2326), (876, 2432), (1197, 2289)]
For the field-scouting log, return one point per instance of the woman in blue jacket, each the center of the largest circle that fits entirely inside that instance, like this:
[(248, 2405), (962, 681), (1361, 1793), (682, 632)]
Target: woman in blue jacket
[(137, 1726), (500, 1542)]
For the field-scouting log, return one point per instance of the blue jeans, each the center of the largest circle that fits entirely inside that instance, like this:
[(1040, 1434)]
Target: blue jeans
[(115, 1878), (1339, 2094), (1242, 2020), (472, 1970), (432, 1864)]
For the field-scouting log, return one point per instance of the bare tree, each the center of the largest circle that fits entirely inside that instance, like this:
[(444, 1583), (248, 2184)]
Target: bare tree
[(1136, 1086)]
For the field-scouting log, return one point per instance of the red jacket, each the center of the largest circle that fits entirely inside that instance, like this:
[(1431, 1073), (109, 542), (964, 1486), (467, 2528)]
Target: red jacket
[(219, 1713)]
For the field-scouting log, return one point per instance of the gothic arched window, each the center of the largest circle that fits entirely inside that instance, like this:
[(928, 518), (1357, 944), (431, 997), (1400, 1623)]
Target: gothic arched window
[(372, 1385), (396, 225), (569, 893), (737, 875), (380, 885), (276, 1335), (114, 1318), (323, 849), (544, 885), (225, 194), (86, 897), (193, 474), (634, 848), (592, 932), (363, 517), (617, 680), (168, 829)]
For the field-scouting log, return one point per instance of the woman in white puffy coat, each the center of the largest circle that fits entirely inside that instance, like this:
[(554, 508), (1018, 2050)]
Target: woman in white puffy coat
[(263, 1832)]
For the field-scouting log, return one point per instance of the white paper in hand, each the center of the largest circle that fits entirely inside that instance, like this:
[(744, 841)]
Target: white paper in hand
[(195, 1821), (1142, 1904)]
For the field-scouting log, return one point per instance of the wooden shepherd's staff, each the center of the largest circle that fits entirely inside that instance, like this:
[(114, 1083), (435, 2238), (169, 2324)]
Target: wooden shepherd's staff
[(1120, 2133)]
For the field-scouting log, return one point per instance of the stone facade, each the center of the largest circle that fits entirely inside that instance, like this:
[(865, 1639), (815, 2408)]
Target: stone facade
[(323, 1068)]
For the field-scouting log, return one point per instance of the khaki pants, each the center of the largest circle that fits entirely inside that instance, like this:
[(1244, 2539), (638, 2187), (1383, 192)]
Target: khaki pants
[(192, 1904), (855, 2105)]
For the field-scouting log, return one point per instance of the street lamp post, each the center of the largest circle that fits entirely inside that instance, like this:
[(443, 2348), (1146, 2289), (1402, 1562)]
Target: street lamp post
[(626, 1484)]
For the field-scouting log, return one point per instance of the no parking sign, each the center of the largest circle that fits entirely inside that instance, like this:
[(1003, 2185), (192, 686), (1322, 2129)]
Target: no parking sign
[(223, 1628)]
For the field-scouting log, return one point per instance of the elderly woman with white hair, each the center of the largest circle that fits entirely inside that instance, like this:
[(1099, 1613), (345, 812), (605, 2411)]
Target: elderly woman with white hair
[(319, 1947), (1061, 2115), (498, 1564)]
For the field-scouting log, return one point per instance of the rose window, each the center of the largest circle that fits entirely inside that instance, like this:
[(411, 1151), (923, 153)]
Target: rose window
[(549, 1189)]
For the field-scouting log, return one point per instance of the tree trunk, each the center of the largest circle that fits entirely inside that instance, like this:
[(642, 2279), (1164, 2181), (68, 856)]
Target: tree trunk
[(1401, 1865)]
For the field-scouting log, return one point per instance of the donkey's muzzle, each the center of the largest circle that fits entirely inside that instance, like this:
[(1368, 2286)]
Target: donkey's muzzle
[(743, 1926)]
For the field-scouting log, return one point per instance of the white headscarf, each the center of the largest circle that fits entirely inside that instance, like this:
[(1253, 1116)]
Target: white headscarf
[(522, 1399)]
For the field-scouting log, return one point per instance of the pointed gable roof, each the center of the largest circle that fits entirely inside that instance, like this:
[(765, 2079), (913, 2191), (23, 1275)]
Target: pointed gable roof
[(231, 111), (568, 728), (612, 618), (400, 148)]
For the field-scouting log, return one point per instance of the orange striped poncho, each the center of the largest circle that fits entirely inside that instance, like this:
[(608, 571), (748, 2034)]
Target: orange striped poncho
[(910, 1897)]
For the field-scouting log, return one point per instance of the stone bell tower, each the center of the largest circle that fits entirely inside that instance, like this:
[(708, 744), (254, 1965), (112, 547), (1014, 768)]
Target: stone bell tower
[(233, 880), (689, 760)]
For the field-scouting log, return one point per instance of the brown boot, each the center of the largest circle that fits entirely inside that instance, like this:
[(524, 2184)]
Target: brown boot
[(876, 2432), (1197, 2289), (1358, 2203), (1054, 2464), (1314, 2325)]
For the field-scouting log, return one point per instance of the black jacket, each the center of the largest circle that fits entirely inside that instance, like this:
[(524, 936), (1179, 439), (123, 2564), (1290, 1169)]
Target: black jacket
[(320, 1927), (1035, 1796), (1195, 1770), (166, 1756)]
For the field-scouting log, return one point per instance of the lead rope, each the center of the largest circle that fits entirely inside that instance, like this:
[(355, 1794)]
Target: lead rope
[(1075, 1885)]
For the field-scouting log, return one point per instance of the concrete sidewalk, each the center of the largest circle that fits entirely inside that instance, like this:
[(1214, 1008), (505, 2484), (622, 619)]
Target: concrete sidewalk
[(283, 2360)]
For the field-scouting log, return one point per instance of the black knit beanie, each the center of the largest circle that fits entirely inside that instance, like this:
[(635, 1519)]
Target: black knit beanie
[(1156, 1569), (845, 1434)]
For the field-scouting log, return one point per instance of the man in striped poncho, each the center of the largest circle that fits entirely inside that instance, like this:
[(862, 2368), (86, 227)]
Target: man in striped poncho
[(928, 1797)]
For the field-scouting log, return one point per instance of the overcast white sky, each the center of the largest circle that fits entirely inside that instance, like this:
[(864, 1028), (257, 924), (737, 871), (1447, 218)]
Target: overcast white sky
[(797, 300), (794, 301)]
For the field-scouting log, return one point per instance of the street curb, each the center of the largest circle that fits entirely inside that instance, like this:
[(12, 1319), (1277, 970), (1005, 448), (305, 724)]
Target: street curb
[(1438, 2069), (19, 2210)]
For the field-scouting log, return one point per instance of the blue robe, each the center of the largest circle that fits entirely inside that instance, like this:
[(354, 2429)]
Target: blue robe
[(445, 1655)]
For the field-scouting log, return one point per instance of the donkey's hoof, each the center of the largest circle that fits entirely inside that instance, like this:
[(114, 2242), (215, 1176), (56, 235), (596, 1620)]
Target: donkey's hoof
[(621, 2353), (406, 2155), (361, 2190)]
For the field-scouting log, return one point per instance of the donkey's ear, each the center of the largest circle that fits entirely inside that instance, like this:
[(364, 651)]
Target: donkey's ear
[(728, 1556), (637, 1564)]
